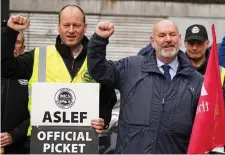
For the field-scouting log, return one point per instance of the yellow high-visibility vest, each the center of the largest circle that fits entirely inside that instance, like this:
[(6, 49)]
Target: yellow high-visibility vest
[(49, 67), (222, 74)]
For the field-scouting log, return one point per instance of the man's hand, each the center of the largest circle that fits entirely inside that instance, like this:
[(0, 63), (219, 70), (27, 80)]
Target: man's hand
[(6, 139), (105, 29), (98, 124), (18, 23)]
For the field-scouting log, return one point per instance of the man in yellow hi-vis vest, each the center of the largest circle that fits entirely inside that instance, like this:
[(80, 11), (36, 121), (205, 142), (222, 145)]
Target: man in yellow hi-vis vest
[(63, 62)]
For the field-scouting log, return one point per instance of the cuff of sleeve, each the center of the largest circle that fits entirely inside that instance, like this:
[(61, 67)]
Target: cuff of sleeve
[(13, 136), (11, 32), (100, 39), (16, 137)]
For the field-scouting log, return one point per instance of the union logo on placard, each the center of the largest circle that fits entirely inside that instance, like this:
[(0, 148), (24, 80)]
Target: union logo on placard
[(65, 98)]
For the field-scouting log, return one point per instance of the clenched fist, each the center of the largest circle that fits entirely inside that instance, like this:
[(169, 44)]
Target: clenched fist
[(105, 29), (98, 124), (18, 23)]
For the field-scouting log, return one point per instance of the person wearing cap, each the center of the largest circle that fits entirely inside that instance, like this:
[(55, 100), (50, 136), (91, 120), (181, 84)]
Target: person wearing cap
[(196, 43)]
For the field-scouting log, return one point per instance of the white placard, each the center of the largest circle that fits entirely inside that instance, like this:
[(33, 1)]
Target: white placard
[(64, 104)]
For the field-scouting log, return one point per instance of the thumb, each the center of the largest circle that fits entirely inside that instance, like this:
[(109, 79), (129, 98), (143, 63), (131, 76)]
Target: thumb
[(111, 28), (27, 23), (111, 31)]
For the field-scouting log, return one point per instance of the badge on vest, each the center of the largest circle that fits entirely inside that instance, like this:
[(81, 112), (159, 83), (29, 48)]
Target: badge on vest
[(86, 77), (65, 98), (23, 82)]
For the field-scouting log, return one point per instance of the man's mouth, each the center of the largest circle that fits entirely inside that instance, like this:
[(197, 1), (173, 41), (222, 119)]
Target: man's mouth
[(194, 52), (168, 46), (71, 37)]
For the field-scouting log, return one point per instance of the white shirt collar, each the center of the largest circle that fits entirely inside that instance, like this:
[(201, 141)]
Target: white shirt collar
[(174, 64)]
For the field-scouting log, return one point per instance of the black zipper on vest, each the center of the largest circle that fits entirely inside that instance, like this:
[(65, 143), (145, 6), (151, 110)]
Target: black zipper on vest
[(72, 64)]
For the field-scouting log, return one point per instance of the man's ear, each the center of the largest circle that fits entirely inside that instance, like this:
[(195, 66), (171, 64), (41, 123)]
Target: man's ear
[(85, 27), (151, 40), (185, 44), (207, 43), (180, 38)]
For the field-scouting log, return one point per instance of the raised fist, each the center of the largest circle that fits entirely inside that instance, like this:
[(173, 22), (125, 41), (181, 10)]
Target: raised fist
[(105, 29), (18, 23)]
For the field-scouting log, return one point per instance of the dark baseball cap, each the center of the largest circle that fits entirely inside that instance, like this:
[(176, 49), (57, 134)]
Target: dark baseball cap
[(196, 32)]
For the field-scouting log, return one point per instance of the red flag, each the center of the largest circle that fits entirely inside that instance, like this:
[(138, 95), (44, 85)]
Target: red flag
[(208, 131)]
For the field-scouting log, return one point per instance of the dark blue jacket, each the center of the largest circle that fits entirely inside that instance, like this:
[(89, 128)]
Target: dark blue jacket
[(222, 52), (145, 50), (153, 119)]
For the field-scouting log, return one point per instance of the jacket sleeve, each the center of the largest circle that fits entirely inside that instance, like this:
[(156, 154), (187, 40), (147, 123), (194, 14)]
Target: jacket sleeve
[(222, 53), (20, 132), (14, 67), (107, 101), (103, 71)]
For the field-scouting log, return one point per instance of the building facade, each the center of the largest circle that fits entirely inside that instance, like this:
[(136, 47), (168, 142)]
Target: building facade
[(133, 19)]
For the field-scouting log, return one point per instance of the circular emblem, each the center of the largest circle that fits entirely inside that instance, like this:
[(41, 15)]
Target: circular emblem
[(23, 82), (65, 98), (86, 77), (195, 29)]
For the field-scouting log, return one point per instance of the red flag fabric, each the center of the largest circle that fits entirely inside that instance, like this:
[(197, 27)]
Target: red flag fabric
[(208, 131)]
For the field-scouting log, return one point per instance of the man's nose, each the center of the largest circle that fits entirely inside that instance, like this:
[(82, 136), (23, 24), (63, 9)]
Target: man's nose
[(168, 38), (195, 46), (71, 30)]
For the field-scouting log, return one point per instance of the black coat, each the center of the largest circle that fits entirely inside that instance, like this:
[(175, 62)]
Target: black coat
[(15, 117)]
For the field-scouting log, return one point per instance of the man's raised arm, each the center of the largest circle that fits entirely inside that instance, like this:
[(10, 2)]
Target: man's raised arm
[(15, 67), (99, 68)]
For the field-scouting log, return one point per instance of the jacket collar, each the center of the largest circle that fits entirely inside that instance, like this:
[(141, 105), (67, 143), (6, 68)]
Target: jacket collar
[(64, 50), (150, 63)]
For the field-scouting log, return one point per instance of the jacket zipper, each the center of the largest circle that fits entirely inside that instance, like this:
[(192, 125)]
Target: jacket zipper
[(72, 64), (163, 104)]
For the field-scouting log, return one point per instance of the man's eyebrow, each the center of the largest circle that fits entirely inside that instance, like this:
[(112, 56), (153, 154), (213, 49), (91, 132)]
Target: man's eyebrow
[(161, 33)]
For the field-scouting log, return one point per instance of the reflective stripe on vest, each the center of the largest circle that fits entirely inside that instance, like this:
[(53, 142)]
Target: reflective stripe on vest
[(41, 66), (49, 67)]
